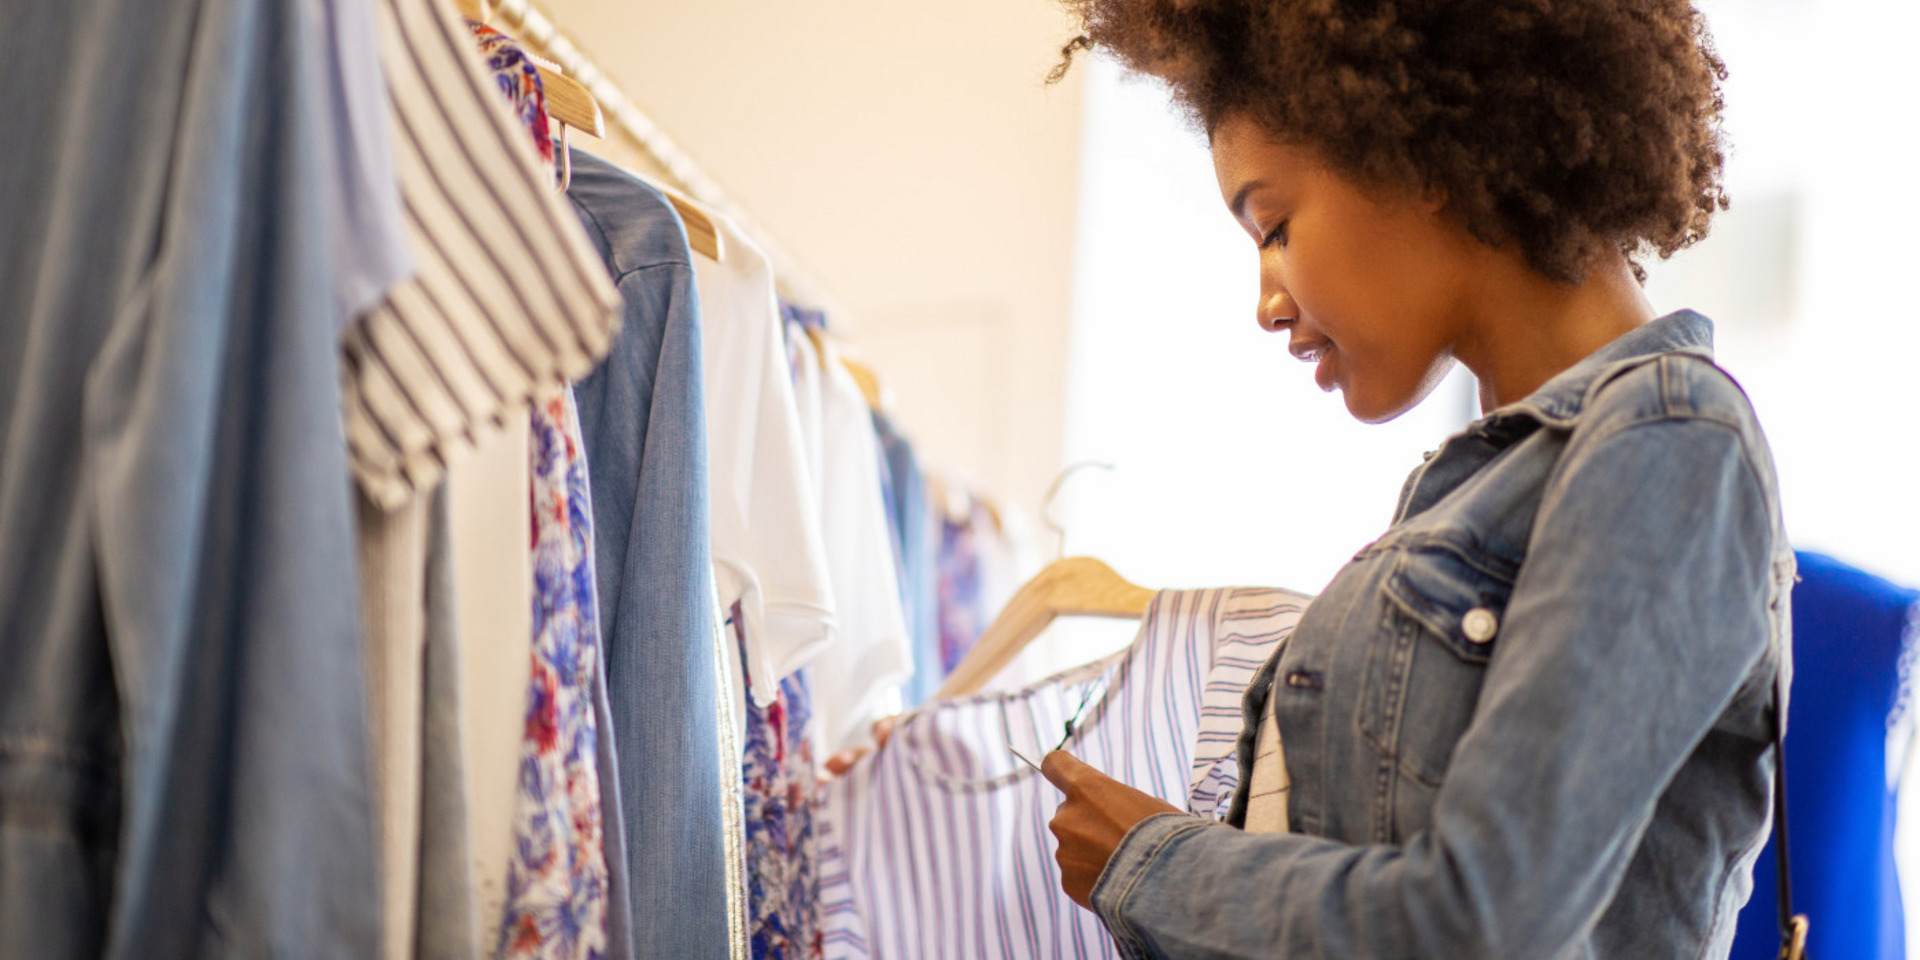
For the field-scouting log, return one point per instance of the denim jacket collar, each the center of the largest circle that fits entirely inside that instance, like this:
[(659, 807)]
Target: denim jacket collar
[(1559, 401)]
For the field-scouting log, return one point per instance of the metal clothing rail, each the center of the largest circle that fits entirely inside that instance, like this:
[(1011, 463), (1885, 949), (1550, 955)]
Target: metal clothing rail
[(537, 32)]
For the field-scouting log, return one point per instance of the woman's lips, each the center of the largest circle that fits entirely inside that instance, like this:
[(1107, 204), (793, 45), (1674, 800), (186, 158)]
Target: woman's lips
[(1319, 353)]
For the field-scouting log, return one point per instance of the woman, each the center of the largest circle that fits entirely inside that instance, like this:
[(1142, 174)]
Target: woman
[(1532, 719)]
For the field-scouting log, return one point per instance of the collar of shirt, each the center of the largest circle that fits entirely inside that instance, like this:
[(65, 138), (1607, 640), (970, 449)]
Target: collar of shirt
[(1557, 404), (1560, 401)]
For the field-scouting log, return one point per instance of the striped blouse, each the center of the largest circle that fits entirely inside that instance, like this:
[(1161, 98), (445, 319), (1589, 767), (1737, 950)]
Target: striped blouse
[(510, 301), (937, 846)]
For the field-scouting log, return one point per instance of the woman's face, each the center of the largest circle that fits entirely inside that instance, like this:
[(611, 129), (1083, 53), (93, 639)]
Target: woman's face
[(1370, 288)]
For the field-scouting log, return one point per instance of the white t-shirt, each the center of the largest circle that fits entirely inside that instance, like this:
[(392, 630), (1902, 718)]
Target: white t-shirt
[(856, 678), (768, 548)]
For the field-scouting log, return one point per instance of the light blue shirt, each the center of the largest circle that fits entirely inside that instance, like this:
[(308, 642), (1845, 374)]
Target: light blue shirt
[(642, 416), (183, 728)]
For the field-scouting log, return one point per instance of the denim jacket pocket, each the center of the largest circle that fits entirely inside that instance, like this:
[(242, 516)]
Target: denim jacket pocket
[(1442, 606)]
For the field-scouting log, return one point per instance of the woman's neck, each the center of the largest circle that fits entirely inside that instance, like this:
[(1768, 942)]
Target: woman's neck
[(1526, 328)]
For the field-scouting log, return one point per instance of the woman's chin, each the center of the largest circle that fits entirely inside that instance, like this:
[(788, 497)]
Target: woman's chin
[(1370, 401), (1367, 407)]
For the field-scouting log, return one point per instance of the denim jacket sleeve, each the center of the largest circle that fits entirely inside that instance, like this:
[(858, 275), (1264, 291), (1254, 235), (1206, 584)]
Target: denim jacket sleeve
[(1638, 615)]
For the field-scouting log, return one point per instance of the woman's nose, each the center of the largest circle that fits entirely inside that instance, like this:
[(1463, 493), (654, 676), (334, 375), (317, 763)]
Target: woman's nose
[(1276, 312)]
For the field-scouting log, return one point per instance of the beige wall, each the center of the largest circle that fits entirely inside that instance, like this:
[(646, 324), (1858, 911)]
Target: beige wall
[(911, 158)]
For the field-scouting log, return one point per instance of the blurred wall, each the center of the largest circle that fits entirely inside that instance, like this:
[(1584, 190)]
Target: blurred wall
[(912, 159), (1809, 275)]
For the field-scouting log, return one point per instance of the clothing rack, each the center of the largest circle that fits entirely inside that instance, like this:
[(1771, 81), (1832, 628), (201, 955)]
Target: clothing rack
[(541, 36)]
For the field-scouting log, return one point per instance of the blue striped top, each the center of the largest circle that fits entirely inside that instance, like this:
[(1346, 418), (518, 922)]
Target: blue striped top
[(937, 846)]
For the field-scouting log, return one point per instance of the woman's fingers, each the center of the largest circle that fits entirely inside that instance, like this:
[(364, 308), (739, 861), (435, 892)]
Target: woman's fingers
[(841, 762), (883, 730), (1092, 820)]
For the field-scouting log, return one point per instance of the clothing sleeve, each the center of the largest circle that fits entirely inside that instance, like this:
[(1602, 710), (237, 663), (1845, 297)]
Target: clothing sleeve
[(768, 551), (1600, 688), (855, 678)]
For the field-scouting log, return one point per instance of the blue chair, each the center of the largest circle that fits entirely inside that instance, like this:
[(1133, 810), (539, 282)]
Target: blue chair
[(1850, 630)]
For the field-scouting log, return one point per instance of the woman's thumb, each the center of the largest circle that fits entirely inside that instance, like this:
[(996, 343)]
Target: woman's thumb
[(1061, 769)]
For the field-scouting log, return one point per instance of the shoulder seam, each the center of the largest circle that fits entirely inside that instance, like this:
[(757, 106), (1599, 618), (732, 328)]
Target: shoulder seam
[(1677, 394), (619, 272), (598, 227), (1747, 456), (657, 264)]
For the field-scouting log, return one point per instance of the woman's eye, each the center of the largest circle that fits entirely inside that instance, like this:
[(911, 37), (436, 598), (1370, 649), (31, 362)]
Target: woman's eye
[(1278, 235)]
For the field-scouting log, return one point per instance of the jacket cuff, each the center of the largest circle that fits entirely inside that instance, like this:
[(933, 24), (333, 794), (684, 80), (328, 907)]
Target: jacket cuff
[(1132, 862)]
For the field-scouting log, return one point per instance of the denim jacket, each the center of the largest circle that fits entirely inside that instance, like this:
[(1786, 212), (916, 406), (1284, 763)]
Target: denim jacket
[(1532, 719)]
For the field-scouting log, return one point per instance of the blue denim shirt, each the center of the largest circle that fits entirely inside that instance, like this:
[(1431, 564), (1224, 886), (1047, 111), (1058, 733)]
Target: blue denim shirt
[(643, 420), (183, 729), (1529, 721)]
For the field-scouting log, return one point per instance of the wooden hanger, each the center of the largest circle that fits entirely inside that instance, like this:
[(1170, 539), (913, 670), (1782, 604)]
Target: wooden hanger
[(868, 381), (567, 99), (702, 234), (569, 102), (863, 375), (993, 512), (1073, 587)]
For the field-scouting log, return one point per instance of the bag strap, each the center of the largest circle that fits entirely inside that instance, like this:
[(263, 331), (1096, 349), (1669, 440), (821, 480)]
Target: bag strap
[(1793, 927)]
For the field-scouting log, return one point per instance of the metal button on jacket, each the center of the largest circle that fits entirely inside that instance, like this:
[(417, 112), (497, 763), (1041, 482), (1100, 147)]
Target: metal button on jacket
[(1479, 624)]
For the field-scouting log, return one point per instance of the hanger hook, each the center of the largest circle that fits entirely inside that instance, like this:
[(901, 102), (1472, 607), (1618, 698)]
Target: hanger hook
[(1053, 493)]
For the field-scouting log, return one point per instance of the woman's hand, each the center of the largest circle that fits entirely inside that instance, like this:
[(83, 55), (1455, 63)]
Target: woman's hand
[(1092, 821), (840, 763)]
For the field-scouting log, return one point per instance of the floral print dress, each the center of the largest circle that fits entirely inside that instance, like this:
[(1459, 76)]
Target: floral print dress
[(783, 886), (520, 82), (557, 879)]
